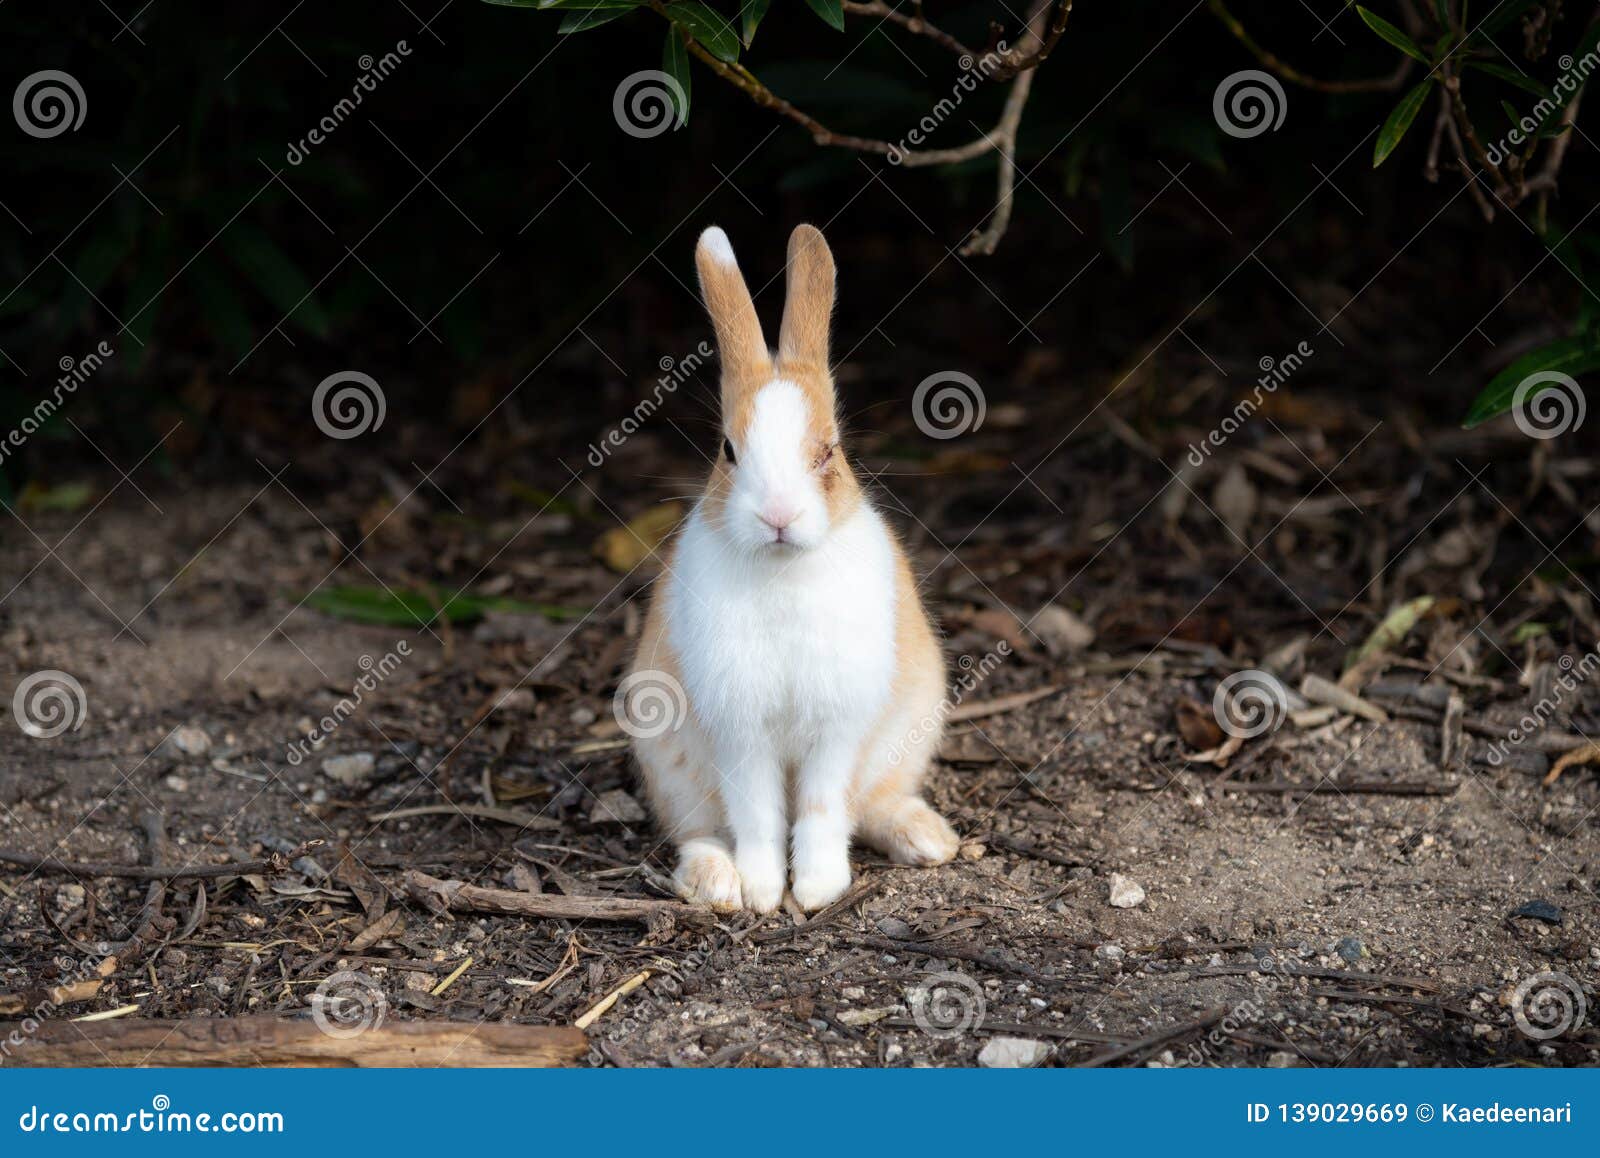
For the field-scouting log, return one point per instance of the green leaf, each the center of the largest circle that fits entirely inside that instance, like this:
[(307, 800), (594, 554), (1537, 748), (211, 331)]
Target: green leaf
[(831, 11), (751, 13), (277, 277), (1392, 34), (675, 63), (1399, 121), (1573, 356), (706, 26), (583, 19), (1510, 76), (418, 609)]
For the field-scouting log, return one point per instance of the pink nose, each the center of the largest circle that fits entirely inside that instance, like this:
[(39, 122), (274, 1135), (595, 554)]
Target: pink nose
[(778, 515)]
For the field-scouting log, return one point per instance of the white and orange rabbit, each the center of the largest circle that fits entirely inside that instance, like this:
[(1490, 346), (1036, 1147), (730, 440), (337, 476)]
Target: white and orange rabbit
[(788, 615)]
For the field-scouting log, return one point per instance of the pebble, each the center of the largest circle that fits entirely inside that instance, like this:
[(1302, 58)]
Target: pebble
[(894, 927), (1539, 910), (1280, 1059), (1012, 1053), (1110, 952), (1351, 949), (1126, 893), (190, 740), (353, 770), (1061, 630), (616, 807)]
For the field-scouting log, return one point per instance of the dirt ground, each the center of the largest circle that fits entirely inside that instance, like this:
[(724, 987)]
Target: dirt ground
[(1337, 893)]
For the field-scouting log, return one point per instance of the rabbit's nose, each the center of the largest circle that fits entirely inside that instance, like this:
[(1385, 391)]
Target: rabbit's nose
[(778, 515)]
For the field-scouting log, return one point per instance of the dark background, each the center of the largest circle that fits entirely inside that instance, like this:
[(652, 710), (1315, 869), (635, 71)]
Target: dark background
[(485, 189)]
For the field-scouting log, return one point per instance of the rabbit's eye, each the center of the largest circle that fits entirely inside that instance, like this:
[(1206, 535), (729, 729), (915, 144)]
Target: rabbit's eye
[(727, 449)]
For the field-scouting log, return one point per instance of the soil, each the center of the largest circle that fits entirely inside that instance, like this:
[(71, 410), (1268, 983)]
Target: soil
[(1293, 912)]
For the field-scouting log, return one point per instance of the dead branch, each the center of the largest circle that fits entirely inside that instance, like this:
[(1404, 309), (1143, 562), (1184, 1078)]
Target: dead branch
[(914, 24), (1016, 63), (460, 897), (1159, 1038), (1293, 75), (275, 1041)]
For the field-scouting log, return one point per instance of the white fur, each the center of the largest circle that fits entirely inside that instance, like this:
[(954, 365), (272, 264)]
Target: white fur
[(716, 243), (788, 659), (774, 484)]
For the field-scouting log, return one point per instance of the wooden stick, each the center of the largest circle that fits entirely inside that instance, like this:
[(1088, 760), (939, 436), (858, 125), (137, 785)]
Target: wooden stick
[(460, 897), (978, 709), (276, 1041), (278, 862), (1159, 1038), (1354, 788)]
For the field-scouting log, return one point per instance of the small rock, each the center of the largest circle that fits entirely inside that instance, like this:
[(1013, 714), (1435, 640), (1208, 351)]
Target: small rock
[(1012, 1053), (1351, 949), (894, 927), (1110, 952), (583, 715), (190, 740), (70, 897), (1080, 872), (1062, 632), (352, 771), (1280, 1059), (515, 702), (176, 783), (1539, 910), (973, 850), (853, 993), (864, 1016), (1125, 892), (616, 807)]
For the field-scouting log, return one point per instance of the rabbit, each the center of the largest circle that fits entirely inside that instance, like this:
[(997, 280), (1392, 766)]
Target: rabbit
[(803, 681)]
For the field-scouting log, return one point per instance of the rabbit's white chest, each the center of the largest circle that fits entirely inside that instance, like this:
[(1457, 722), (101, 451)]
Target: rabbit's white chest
[(790, 647)]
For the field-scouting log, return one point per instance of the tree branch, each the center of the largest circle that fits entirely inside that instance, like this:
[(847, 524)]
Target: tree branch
[(1294, 76)]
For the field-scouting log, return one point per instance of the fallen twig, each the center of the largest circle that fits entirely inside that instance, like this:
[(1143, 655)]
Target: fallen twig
[(460, 897), (1157, 1039), (275, 863), (275, 1041)]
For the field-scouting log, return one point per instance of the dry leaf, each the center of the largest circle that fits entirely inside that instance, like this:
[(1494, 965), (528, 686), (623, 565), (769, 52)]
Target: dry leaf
[(626, 547)]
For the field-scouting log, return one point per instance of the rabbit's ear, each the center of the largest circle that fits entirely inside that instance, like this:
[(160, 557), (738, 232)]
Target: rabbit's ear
[(808, 304), (746, 363)]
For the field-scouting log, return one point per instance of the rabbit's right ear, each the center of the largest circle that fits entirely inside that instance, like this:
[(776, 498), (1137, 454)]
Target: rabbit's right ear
[(746, 362)]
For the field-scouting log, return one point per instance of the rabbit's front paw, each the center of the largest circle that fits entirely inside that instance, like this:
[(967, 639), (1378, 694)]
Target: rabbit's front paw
[(919, 835), (820, 881), (761, 878), (706, 876)]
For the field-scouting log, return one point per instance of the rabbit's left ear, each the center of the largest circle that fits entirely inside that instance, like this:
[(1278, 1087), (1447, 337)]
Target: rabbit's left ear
[(808, 303)]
